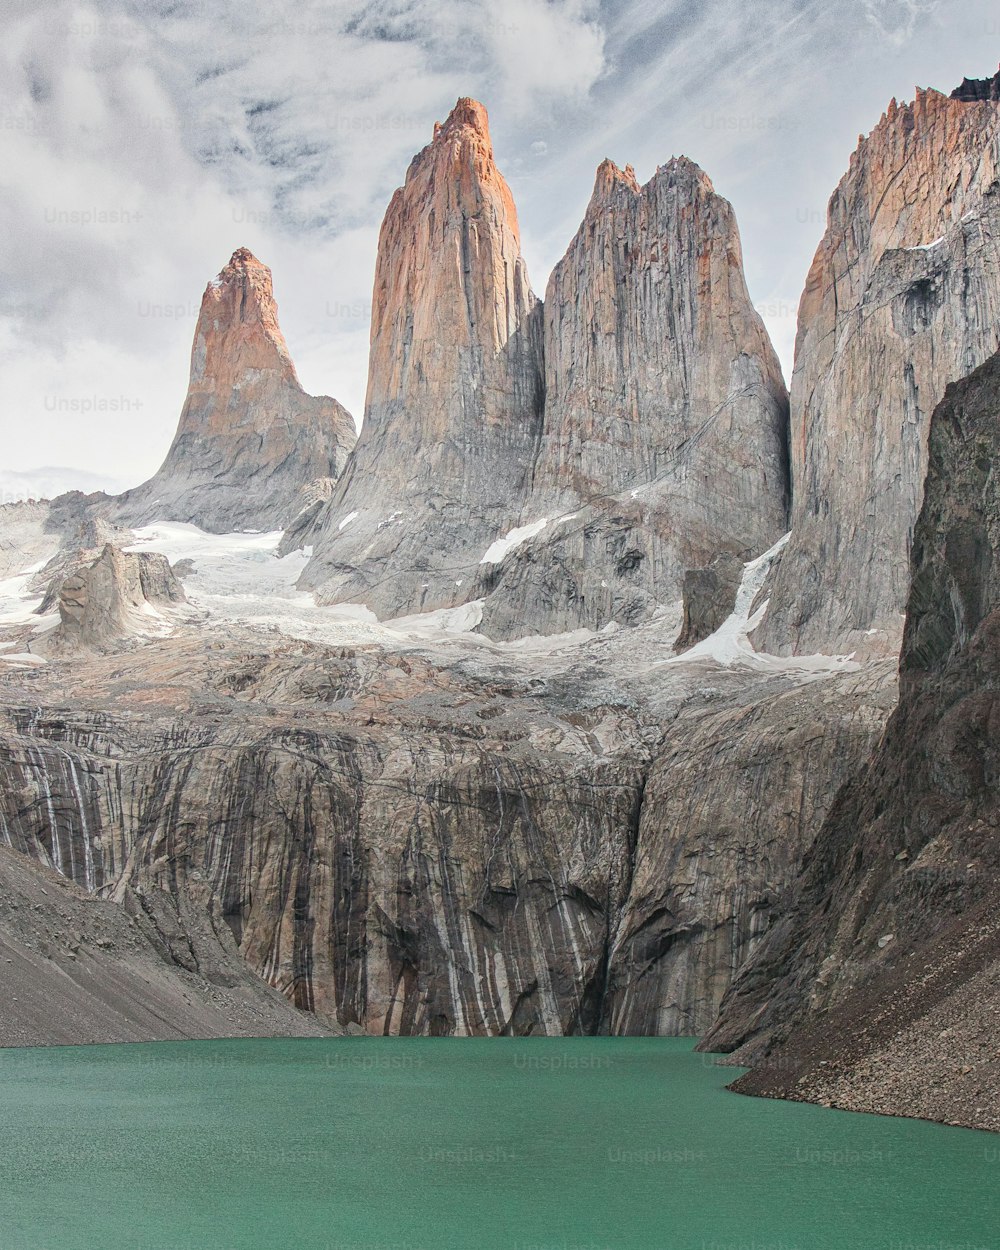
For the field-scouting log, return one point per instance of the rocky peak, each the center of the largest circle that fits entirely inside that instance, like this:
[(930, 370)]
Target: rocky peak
[(112, 597), (903, 297), (455, 387), (608, 179), (978, 89), (455, 213), (664, 443), (238, 327), (468, 114), (249, 437)]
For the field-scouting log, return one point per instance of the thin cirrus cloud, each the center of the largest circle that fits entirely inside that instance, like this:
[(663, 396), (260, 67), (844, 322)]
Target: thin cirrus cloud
[(144, 140)]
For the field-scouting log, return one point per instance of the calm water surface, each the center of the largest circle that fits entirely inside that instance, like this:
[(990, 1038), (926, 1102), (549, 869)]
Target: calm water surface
[(407, 1144)]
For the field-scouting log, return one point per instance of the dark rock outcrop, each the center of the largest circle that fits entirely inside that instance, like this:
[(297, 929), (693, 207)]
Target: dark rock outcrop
[(978, 89), (899, 895), (709, 596)]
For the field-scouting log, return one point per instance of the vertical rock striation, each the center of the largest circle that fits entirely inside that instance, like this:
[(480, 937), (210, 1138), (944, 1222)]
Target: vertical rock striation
[(249, 437), (455, 387), (665, 412), (731, 803), (903, 297)]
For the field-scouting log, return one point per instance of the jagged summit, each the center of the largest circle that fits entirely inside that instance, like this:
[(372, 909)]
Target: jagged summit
[(240, 303), (610, 176), (249, 437), (973, 89), (455, 387), (665, 428), (466, 113), (903, 297)]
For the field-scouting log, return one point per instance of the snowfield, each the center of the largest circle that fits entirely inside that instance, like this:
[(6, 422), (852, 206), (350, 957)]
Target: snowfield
[(239, 578)]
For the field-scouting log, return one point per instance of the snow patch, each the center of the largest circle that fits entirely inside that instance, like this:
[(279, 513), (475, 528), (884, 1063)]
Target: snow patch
[(497, 550), (730, 644), (461, 620), (240, 578), (17, 604), (351, 516)]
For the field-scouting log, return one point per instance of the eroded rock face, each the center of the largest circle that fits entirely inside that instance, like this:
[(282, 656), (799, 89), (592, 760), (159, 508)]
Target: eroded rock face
[(401, 874), (709, 597), (664, 443), (83, 970), (249, 437), (731, 803), (897, 903), (455, 384), (401, 845), (903, 297), (116, 596), (306, 526)]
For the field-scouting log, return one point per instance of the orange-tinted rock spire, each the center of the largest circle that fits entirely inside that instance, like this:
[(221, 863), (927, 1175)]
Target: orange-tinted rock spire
[(249, 437), (903, 297), (455, 386)]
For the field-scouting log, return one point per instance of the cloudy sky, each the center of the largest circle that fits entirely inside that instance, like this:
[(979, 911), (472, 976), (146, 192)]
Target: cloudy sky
[(142, 141)]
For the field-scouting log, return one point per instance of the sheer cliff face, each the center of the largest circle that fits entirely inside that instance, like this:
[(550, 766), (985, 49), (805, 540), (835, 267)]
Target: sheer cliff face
[(249, 437), (665, 412), (394, 843), (899, 890), (455, 387), (902, 298), (651, 341)]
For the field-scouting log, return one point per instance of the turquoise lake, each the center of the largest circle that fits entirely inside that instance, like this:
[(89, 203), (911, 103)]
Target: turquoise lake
[(407, 1144)]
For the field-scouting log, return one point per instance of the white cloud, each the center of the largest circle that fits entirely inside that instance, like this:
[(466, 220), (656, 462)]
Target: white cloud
[(897, 21)]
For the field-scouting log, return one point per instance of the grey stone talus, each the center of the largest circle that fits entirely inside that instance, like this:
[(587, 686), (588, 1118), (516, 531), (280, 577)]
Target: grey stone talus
[(665, 435), (903, 297), (454, 403), (77, 970), (249, 437)]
